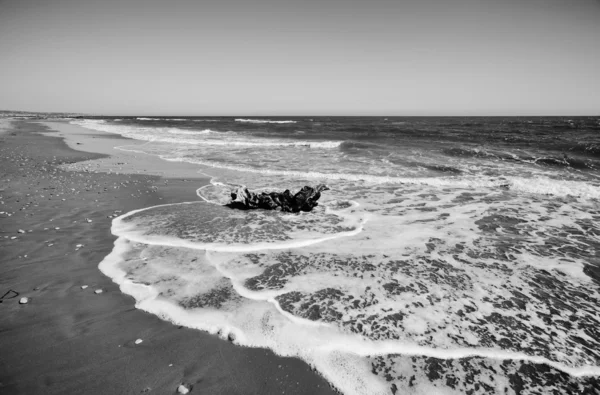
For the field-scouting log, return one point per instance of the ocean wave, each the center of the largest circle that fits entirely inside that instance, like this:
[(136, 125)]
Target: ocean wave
[(152, 134), (443, 168), (261, 121), (351, 145), (479, 153), (442, 287), (97, 124), (191, 132), (164, 119), (588, 149), (539, 185), (563, 162), (157, 134), (289, 300), (546, 161), (246, 143)]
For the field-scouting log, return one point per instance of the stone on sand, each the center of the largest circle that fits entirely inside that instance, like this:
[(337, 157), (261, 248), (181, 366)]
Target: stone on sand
[(98, 291), (182, 389), (138, 341), (24, 300)]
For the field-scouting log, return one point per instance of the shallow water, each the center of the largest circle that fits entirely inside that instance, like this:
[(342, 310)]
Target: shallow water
[(450, 255)]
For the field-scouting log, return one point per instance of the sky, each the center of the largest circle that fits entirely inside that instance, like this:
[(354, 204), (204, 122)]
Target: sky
[(309, 57)]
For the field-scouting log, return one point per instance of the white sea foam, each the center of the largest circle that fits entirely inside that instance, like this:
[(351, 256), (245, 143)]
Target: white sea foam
[(411, 266), (540, 185), (255, 324), (191, 132), (164, 119), (243, 143), (257, 143), (257, 320), (261, 121), (256, 317), (298, 237), (230, 139)]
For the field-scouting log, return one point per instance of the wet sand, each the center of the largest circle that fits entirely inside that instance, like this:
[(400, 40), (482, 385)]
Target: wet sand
[(54, 230)]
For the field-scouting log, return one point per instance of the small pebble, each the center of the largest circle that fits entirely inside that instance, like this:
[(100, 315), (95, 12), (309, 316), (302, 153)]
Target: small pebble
[(138, 341), (182, 389), (84, 286), (23, 300), (98, 291), (21, 231)]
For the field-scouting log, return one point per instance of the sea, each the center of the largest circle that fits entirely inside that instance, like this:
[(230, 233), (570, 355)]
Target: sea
[(450, 256)]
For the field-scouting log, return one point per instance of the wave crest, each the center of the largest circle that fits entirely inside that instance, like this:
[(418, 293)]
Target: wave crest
[(262, 121), (157, 134)]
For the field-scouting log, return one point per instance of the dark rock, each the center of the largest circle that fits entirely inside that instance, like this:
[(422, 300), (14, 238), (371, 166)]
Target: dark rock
[(304, 200)]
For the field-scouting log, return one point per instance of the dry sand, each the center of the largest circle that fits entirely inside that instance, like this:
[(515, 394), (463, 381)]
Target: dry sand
[(69, 340)]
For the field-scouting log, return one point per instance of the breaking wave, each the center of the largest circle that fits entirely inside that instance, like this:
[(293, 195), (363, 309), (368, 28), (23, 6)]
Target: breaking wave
[(249, 277), (157, 134), (549, 160), (164, 119), (191, 132), (261, 121), (424, 269), (539, 185)]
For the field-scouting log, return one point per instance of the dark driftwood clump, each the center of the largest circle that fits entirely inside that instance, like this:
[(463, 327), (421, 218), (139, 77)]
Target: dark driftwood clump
[(304, 200)]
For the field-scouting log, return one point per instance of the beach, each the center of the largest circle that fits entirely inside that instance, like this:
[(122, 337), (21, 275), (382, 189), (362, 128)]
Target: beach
[(359, 198), (78, 333), (455, 255)]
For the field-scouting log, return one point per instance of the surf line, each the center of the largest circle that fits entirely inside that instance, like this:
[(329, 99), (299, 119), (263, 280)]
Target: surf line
[(343, 342), (120, 229), (356, 344), (361, 346)]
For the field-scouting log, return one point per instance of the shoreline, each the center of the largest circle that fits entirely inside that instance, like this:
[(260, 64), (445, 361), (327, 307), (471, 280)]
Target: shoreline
[(117, 161), (71, 340)]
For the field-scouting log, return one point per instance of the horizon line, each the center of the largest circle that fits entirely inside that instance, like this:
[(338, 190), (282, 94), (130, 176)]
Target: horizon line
[(301, 115)]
